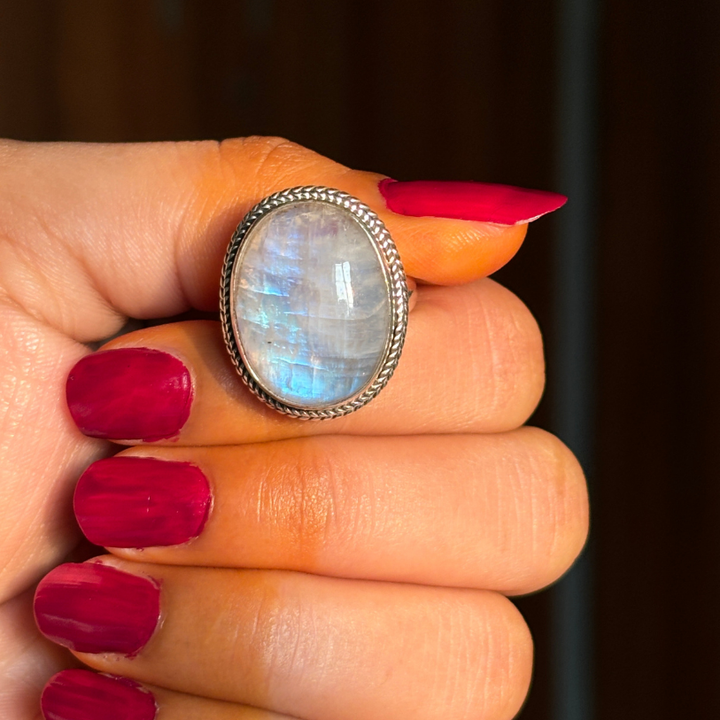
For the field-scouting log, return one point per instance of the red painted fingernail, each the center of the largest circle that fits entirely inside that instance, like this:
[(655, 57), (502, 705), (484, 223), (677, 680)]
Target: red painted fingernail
[(84, 695), (94, 608), (141, 502), (486, 202), (130, 394)]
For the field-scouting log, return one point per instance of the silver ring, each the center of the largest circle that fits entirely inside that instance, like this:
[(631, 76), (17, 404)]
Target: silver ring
[(313, 302)]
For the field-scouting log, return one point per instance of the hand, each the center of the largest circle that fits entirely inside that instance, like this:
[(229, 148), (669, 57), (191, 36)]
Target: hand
[(348, 569)]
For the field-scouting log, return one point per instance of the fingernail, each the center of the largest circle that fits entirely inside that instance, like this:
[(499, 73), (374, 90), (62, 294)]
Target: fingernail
[(94, 608), (130, 394), (485, 202), (125, 502), (84, 695)]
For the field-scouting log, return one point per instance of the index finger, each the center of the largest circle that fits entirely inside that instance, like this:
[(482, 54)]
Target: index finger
[(94, 233), (472, 362)]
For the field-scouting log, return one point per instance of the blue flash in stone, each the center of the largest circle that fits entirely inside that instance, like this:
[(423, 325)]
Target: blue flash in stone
[(311, 303)]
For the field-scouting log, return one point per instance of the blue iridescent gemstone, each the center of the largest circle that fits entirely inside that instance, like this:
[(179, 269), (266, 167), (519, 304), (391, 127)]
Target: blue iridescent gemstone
[(311, 304)]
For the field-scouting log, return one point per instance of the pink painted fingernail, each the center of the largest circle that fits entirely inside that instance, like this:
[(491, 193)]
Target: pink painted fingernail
[(130, 394), (486, 202), (85, 695), (95, 608), (141, 502)]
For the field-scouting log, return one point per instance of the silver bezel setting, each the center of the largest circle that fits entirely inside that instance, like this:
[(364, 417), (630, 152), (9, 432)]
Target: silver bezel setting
[(396, 285)]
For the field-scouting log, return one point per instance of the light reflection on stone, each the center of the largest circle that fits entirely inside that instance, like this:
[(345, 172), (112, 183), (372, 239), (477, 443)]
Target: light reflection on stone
[(311, 304)]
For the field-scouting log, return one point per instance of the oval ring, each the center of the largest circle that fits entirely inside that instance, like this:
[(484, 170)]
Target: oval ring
[(313, 302)]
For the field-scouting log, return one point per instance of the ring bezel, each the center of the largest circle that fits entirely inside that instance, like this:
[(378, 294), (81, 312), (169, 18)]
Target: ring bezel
[(396, 286)]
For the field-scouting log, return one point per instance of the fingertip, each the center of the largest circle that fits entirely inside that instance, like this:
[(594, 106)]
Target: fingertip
[(455, 252), (439, 250)]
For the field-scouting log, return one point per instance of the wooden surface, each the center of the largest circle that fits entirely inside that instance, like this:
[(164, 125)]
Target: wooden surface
[(465, 90)]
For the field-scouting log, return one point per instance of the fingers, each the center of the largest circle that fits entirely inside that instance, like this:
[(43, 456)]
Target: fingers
[(97, 232), (499, 512), (313, 647), (472, 362)]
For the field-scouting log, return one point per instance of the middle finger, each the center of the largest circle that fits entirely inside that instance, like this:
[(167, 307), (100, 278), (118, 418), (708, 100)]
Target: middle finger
[(502, 512)]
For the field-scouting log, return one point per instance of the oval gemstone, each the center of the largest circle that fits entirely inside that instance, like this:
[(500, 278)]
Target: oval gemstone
[(311, 303)]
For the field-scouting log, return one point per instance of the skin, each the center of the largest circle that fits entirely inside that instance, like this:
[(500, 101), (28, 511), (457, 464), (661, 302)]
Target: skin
[(319, 505), (383, 543)]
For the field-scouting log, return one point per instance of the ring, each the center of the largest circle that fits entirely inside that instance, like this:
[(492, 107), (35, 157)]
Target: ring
[(313, 302)]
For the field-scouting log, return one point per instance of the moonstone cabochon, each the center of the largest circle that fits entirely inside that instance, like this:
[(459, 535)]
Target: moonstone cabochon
[(313, 316)]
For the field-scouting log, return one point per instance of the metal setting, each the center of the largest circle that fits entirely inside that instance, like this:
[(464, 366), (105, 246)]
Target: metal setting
[(395, 281)]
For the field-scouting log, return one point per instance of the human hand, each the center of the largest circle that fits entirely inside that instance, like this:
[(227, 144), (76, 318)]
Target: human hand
[(382, 544)]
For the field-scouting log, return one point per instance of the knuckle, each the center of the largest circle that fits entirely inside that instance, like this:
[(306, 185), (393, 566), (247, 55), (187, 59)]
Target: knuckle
[(277, 642), (274, 162), (312, 500), (501, 329), (522, 375), (317, 496), (560, 512), (472, 659), (273, 156), (487, 660)]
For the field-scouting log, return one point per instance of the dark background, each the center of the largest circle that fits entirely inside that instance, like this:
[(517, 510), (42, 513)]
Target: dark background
[(469, 90)]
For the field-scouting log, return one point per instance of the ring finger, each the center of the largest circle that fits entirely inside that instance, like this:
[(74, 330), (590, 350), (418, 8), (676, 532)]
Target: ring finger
[(314, 647)]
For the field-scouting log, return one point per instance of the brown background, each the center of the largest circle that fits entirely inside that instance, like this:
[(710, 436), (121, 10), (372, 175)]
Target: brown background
[(467, 90)]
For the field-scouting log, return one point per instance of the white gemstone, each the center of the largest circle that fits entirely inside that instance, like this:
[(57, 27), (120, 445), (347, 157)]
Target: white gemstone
[(312, 310)]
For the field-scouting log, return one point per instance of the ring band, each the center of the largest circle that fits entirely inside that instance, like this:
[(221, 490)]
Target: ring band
[(313, 302)]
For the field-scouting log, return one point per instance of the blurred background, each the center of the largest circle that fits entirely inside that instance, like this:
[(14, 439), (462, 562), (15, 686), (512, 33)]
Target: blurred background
[(615, 103)]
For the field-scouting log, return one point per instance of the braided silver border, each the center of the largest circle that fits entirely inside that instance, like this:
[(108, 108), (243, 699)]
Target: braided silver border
[(394, 276)]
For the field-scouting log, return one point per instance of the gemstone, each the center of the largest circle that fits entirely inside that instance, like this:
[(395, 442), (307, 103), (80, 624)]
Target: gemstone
[(312, 309)]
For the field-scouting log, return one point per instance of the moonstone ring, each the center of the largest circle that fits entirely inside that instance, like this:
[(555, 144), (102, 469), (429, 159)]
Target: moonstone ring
[(313, 302)]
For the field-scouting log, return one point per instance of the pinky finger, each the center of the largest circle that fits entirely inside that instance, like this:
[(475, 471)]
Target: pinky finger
[(86, 695)]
